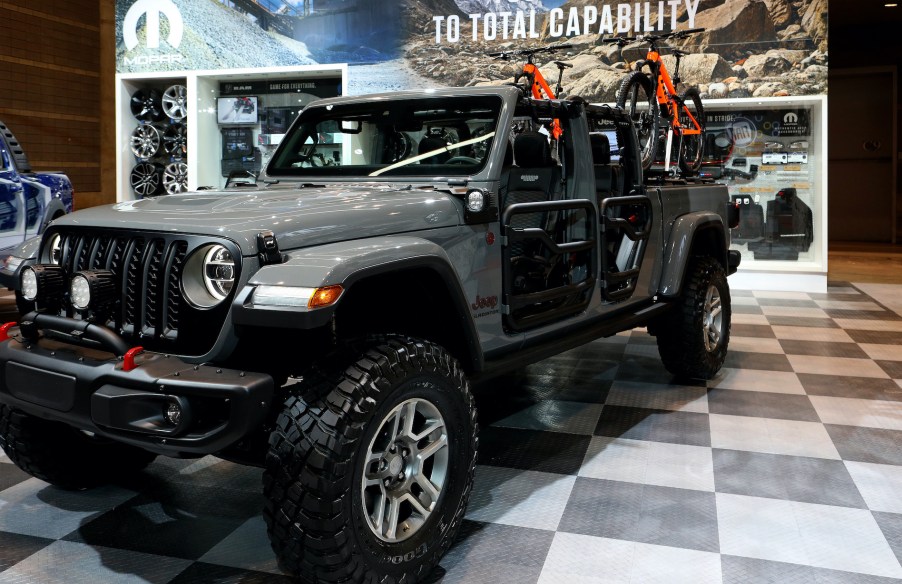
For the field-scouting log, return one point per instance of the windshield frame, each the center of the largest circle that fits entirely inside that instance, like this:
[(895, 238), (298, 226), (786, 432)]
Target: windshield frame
[(490, 167)]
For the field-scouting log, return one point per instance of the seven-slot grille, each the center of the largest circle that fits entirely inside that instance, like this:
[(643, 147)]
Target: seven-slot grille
[(147, 270)]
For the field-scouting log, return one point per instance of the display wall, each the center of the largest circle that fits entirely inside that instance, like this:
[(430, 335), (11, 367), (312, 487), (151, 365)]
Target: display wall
[(757, 64)]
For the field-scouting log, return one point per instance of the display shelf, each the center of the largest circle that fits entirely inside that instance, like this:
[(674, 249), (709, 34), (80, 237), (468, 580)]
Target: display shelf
[(285, 91), (771, 154)]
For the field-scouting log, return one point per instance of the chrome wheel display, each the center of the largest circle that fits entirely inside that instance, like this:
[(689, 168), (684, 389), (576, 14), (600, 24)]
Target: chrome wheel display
[(175, 140), (405, 470), (145, 141), (145, 179), (175, 102), (147, 105), (175, 178), (712, 319)]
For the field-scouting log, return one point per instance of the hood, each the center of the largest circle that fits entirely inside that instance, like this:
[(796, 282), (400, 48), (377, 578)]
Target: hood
[(299, 217)]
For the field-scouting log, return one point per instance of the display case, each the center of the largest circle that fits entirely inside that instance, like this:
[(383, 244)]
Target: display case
[(194, 130), (771, 154)]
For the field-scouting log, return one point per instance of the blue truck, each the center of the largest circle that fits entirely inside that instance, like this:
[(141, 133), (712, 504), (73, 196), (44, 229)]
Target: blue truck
[(29, 201)]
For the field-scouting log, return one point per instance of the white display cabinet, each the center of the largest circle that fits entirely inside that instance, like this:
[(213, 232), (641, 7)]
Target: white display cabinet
[(203, 132), (772, 155)]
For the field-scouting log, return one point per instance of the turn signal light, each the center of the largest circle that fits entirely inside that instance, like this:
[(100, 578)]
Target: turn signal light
[(325, 296)]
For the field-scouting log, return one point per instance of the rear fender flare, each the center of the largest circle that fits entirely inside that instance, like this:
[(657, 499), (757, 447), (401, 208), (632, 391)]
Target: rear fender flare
[(683, 243)]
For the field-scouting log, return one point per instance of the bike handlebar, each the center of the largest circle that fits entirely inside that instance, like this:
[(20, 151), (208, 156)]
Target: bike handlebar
[(676, 34), (548, 49)]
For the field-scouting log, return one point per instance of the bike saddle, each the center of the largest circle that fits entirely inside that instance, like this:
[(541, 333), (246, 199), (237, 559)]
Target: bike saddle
[(679, 53), (561, 65)]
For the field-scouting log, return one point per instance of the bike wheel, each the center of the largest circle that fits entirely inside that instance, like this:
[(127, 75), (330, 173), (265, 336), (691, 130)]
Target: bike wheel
[(637, 97), (691, 145)]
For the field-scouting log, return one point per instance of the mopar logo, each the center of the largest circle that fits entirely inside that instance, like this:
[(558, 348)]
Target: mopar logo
[(791, 118), (151, 10), (529, 177)]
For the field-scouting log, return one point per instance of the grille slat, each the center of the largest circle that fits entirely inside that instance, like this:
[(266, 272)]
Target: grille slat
[(147, 267)]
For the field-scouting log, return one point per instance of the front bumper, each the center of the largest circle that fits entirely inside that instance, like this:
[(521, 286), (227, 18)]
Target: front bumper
[(88, 388)]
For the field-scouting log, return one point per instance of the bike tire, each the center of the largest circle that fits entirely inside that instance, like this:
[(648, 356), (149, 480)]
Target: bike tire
[(637, 97), (692, 146)]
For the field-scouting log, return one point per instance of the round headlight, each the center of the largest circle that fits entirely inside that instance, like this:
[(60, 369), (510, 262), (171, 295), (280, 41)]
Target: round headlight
[(80, 292), (209, 276), (56, 250), (29, 284)]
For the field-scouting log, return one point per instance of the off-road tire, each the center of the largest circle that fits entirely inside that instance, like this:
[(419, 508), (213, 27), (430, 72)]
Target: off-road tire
[(315, 516), (63, 456), (636, 90), (681, 334)]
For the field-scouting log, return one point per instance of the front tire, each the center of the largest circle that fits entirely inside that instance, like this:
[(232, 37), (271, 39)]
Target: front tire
[(368, 474), (63, 456), (636, 97), (692, 145), (693, 337)]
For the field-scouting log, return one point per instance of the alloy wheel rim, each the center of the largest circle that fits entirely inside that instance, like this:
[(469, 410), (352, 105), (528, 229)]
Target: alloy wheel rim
[(712, 318), (405, 470)]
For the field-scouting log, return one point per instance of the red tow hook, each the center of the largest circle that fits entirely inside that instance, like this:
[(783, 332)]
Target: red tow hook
[(128, 360), (4, 330)]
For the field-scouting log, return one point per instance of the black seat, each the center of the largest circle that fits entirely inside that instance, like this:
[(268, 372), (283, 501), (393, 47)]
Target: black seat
[(430, 143), (536, 177), (601, 160)]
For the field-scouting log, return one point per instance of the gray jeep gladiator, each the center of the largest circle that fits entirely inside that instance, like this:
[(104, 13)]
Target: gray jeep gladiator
[(326, 323)]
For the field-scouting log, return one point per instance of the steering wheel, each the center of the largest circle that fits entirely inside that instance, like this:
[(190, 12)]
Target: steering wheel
[(462, 160)]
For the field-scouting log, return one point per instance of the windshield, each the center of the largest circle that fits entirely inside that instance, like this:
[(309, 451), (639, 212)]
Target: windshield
[(438, 136)]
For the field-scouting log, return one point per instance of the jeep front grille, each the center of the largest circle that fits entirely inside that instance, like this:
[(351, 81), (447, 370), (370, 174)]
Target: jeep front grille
[(152, 310)]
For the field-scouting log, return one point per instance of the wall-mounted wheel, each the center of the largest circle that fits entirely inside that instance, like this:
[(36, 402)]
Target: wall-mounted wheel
[(175, 102), (175, 178), (145, 179), (145, 141), (175, 140), (146, 105)]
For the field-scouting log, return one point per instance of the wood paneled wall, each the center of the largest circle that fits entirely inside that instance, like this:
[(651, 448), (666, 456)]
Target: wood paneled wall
[(56, 89)]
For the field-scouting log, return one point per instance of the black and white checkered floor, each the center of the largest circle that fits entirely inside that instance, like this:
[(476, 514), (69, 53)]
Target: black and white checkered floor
[(785, 468)]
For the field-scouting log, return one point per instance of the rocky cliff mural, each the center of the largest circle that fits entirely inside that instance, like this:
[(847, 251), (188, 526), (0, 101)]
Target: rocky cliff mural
[(750, 48)]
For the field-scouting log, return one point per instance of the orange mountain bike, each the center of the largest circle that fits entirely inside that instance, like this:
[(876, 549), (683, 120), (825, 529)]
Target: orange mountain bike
[(654, 105), (535, 81)]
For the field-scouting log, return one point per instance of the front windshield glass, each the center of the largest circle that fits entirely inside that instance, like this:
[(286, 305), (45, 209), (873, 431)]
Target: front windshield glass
[(437, 136)]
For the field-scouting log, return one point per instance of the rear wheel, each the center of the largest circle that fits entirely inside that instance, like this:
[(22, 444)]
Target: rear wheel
[(63, 456), (693, 337), (637, 97), (691, 145), (369, 473)]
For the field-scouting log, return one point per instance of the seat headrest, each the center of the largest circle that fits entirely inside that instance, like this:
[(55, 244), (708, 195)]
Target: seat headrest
[(601, 148), (430, 143), (531, 150)]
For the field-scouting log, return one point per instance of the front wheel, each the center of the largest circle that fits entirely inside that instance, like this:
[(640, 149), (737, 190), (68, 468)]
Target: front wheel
[(637, 97), (369, 473), (693, 337), (691, 145)]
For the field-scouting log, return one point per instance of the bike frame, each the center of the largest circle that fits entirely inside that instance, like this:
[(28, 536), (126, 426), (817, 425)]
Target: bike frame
[(666, 92), (538, 86)]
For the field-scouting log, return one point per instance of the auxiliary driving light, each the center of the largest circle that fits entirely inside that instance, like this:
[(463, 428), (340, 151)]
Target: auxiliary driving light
[(92, 288), (41, 282), (174, 413), (476, 200)]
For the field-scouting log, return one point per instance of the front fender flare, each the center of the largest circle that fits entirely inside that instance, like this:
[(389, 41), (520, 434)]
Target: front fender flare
[(679, 248)]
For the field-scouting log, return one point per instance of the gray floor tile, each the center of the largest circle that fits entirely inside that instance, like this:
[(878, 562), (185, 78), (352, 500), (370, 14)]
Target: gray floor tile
[(892, 368), (879, 484), (772, 436), (823, 536), (869, 413), (500, 554), (882, 352), (867, 444), (14, 548), (752, 330), (810, 480), (10, 475), (655, 425), (679, 398), (840, 366), (761, 404), (821, 349), (764, 361), (247, 547), (776, 320), (757, 380), (644, 513), (556, 416), (737, 570), (876, 337), (789, 302), (521, 498), (65, 562), (755, 345), (746, 309), (849, 386)]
